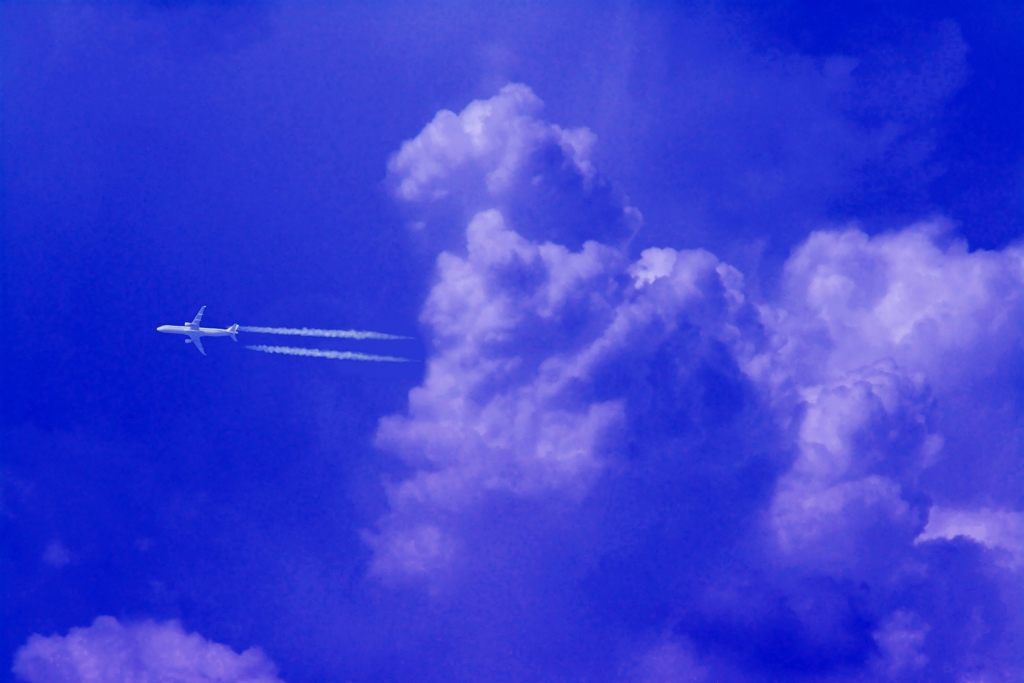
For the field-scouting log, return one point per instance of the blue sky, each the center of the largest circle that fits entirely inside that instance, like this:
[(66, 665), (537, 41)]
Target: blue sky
[(716, 310)]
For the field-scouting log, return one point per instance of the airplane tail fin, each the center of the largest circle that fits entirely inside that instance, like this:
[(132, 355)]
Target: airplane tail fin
[(233, 330)]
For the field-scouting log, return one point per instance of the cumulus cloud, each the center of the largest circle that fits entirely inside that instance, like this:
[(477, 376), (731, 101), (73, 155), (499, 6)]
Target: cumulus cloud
[(784, 481), (997, 529), (875, 344), (109, 651), (900, 639), (525, 335), (898, 296), (499, 154), (493, 139)]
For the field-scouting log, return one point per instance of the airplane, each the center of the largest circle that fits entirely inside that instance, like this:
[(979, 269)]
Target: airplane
[(194, 332)]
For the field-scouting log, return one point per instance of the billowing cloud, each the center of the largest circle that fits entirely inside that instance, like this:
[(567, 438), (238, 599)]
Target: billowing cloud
[(778, 479), (498, 154), (519, 395), (878, 342), (996, 529), (493, 140), (112, 652)]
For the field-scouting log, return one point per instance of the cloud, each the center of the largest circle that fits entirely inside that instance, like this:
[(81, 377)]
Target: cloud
[(876, 345), (900, 639), (613, 443), (494, 138), (755, 477), (109, 651), (520, 394), (899, 295), (997, 529), (498, 154)]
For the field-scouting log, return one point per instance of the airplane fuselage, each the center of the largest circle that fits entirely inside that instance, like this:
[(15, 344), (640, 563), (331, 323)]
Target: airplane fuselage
[(194, 331)]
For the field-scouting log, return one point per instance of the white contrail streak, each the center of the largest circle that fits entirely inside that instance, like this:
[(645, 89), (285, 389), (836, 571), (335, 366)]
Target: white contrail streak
[(311, 332), (320, 353)]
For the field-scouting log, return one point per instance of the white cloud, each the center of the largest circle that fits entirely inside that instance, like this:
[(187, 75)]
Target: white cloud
[(492, 139), (851, 300), (900, 640), (499, 154), (991, 528), (498, 410), (868, 333), (860, 440), (654, 263), (873, 341), (522, 331), (561, 370), (146, 652)]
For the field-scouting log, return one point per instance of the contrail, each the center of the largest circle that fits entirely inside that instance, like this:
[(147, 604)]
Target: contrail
[(320, 353), (311, 332)]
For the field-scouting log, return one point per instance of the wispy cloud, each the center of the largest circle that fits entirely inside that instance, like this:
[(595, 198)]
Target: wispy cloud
[(324, 353), (312, 332)]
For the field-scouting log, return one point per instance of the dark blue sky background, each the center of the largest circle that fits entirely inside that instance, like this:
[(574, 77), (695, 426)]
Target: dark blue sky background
[(160, 157)]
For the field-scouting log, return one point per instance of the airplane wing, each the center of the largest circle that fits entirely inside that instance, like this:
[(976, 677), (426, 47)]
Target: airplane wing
[(196, 340), (199, 316)]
